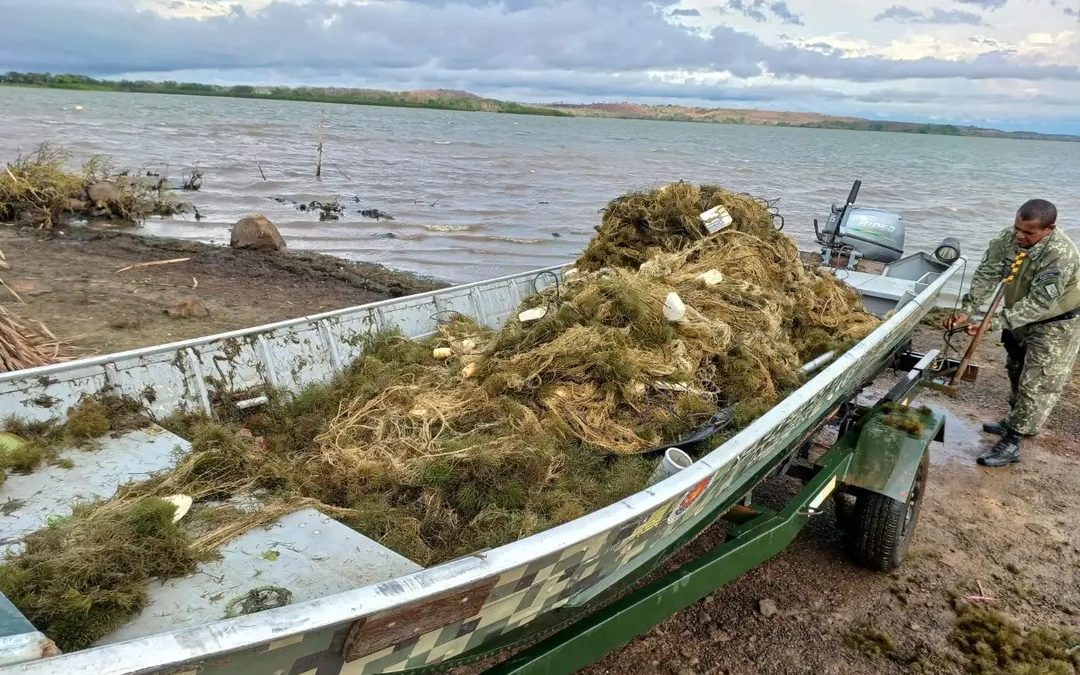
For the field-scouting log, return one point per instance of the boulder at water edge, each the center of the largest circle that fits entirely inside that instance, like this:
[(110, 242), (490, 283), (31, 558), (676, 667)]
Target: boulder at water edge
[(256, 232)]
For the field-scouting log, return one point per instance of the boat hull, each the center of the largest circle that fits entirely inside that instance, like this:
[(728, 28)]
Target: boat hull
[(462, 609)]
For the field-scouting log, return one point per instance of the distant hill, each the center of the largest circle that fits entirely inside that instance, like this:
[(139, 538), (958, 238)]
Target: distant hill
[(452, 99), (787, 119)]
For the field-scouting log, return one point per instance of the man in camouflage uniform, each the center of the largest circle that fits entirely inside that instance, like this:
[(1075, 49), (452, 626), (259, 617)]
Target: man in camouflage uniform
[(1040, 267)]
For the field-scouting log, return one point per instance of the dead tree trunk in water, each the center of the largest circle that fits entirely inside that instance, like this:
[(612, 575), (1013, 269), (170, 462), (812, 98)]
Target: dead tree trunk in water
[(318, 161)]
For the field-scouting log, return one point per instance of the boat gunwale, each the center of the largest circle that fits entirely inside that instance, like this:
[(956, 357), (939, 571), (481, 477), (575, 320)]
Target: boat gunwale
[(104, 359), (194, 643)]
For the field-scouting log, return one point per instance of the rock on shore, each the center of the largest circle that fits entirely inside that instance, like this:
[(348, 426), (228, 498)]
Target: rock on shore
[(256, 232)]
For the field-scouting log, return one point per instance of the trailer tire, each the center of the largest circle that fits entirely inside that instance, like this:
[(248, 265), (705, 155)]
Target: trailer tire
[(882, 527), (843, 508)]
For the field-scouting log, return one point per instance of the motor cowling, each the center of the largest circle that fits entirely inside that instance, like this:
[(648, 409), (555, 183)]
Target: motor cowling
[(876, 234), (860, 233)]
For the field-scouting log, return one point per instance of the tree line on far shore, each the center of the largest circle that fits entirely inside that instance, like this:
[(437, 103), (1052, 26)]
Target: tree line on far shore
[(445, 99), (437, 99)]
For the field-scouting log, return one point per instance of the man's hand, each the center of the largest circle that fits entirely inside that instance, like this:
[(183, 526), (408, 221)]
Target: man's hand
[(958, 319), (954, 320)]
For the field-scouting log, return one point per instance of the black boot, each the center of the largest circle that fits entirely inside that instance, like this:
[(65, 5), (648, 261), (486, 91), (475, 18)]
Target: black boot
[(1005, 451), (995, 428)]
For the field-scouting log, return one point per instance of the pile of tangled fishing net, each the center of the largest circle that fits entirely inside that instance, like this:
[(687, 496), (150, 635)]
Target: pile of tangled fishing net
[(616, 364), (474, 438)]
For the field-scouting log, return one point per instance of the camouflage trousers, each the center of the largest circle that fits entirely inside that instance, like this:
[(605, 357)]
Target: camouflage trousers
[(1040, 361)]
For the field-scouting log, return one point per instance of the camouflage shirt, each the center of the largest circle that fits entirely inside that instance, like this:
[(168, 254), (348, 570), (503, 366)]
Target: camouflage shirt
[(1046, 285)]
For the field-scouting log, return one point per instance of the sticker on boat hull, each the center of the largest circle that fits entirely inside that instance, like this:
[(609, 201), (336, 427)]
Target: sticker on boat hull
[(654, 519), (689, 499)]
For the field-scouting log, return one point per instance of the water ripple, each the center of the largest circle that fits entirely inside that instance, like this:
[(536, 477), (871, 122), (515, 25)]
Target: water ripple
[(477, 195)]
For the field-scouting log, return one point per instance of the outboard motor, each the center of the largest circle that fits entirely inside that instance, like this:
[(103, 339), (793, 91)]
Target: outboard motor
[(861, 233)]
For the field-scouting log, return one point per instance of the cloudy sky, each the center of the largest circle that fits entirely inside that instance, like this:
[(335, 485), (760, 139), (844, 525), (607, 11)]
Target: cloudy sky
[(1006, 63)]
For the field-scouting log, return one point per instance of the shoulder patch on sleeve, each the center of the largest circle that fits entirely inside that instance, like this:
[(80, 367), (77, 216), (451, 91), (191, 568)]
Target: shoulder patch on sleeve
[(1044, 277), (1052, 291)]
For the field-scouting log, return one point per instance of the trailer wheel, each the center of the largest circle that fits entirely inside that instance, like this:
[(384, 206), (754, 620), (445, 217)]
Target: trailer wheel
[(843, 508), (882, 527)]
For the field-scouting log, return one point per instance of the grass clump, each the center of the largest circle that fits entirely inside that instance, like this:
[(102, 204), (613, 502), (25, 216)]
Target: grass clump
[(220, 464), (38, 190), (872, 641), (83, 576), (47, 432), (539, 423), (23, 458), (499, 474), (87, 420), (604, 367), (39, 442), (910, 420), (526, 428), (996, 645), (637, 225)]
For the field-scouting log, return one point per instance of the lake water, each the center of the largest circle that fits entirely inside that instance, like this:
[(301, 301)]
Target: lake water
[(477, 195)]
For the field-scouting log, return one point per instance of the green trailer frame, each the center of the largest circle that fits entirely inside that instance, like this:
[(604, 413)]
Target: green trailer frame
[(880, 467)]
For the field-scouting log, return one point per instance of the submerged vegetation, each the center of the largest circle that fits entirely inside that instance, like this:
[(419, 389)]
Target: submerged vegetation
[(475, 438), (38, 190)]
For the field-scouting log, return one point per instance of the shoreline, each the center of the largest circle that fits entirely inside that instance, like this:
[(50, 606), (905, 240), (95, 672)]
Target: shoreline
[(460, 101), (68, 279)]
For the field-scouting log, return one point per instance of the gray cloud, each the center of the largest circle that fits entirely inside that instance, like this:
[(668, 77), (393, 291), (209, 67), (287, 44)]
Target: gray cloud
[(684, 12), (953, 16), (759, 10), (584, 41), (899, 13), (931, 96), (985, 4), (784, 13), (934, 16)]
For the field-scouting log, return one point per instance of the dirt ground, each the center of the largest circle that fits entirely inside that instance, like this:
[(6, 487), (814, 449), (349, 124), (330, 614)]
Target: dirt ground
[(71, 283), (1009, 534)]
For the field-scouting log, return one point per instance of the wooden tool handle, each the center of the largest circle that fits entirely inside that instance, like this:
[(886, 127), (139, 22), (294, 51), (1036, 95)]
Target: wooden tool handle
[(983, 326)]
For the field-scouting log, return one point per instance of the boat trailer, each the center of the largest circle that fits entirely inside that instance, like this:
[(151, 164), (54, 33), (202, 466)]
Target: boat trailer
[(875, 471)]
